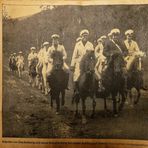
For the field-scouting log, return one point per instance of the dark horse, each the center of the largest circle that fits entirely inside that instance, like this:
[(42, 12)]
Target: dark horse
[(113, 80), (135, 80), (12, 64), (32, 71), (57, 80), (86, 83)]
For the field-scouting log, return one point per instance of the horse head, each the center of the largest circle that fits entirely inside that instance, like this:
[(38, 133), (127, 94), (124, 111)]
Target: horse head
[(57, 60), (88, 62)]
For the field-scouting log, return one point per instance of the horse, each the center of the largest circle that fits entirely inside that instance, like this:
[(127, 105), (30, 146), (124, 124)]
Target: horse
[(86, 84), (32, 72), (20, 67), (57, 81), (135, 80), (12, 64), (113, 81)]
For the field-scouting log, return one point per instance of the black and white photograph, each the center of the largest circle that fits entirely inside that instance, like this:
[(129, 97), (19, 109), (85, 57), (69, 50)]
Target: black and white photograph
[(75, 71)]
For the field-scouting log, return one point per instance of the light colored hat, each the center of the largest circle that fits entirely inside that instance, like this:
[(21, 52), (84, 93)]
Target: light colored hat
[(55, 36), (85, 31), (129, 32), (20, 52), (99, 40), (32, 48), (78, 39), (115, 31), (103, 37), (14, 53), (109, 34), (45, 43)]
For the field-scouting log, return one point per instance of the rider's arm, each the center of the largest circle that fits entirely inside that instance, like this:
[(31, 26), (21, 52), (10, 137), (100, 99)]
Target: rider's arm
[(74, 56), (64, 53)]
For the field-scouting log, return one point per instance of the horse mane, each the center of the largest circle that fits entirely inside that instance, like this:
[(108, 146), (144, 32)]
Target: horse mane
[(86, 60)]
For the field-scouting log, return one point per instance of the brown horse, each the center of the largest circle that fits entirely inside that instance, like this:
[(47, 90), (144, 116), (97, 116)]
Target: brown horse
[(113, 80), (57, 81), (86, 83)]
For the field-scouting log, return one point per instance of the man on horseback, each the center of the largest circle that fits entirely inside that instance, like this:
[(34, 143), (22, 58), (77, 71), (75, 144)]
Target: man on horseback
[(115, 48), (31, 57), (20, 59), (133, 53), (61, 49), (80, 49)]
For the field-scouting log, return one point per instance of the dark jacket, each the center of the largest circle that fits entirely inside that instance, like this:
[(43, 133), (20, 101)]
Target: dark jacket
[(111, 49)]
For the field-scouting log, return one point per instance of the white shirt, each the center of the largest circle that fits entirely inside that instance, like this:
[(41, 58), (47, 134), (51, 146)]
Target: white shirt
[(80, 50), (32, 56), (20, 59), (99, 50), (59, 48), (132, 46)]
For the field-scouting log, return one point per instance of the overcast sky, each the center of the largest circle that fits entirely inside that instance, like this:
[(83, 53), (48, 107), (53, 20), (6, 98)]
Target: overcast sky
[(15, 11)]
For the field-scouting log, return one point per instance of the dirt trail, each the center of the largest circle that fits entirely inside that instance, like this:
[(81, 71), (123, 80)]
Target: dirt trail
[(27, 113)]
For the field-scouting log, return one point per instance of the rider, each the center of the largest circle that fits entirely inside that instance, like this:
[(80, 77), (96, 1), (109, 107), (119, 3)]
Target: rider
[(80, 49), (20, 59), (100, 60), (32, 55), (60, 48), (133, 48), (42, 55), (114, 46), (133, 52)]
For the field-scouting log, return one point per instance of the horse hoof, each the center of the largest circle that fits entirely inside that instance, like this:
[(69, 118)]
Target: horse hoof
[(57, 113), (116, 115), (132, 106), (84, 121), (92, 116)]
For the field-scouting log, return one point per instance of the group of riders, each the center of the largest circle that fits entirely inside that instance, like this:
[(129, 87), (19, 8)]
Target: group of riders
[(104, 51)]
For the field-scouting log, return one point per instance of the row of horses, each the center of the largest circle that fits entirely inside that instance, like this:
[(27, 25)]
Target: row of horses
[(114, 80)]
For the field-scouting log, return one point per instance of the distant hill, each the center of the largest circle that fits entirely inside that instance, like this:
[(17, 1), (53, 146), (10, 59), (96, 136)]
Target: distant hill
[(22, 33)]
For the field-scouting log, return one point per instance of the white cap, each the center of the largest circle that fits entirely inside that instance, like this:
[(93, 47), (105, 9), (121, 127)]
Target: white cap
[(114, 31), (45, 43), (129, 32), (85, 31), (99, 40), (78, 39), (109, 34), (55, 36), (14, 53), (32, 48), (103, 37), (20, 52)]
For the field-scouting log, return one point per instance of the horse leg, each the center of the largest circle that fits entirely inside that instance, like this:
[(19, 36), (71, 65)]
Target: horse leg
[(114, 105), (138, 96), (131, 98), (94, 107), (84, 121), (63, 97), (57, 95), (51, 101), (122, 101)]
